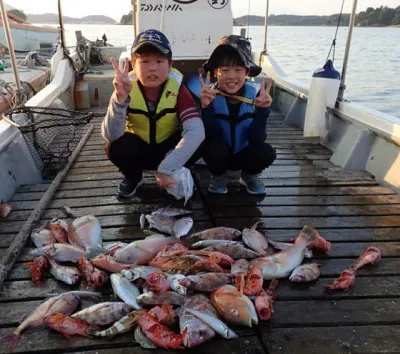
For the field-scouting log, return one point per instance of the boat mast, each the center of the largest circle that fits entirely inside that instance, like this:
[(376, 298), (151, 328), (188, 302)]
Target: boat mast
[(266, 27), (10, 44), (61, 21), (346, 53)]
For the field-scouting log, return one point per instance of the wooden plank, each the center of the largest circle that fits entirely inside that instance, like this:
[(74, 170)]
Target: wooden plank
[(364, 287), (335, 313), (317, 222), (98, 211), (101, 201), (307, 210), (333, 340)]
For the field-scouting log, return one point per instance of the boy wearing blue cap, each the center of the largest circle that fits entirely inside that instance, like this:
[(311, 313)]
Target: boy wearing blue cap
[(152, 121), (235, 112)]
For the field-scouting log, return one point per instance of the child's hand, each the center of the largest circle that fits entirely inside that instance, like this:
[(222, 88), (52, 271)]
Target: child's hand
[(122, 83), (207, 95), (264, 99), (165, 181)]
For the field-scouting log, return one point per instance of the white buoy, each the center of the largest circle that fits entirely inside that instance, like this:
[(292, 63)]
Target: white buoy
[(323, 93)]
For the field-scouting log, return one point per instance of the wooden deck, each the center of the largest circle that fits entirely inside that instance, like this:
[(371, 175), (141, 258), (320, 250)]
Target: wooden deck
[(348, 208)]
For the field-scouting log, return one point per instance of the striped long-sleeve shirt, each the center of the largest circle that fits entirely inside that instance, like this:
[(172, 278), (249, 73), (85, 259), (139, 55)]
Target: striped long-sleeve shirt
[(114, 125)]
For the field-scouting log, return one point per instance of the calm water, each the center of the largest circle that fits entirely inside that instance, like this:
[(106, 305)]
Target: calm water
[(373, 75)]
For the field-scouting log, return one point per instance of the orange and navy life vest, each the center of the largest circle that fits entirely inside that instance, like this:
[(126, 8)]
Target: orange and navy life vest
[(235, 128), (154, 127)]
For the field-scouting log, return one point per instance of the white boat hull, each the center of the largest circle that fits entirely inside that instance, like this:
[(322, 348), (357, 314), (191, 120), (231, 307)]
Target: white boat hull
[(29, 37)]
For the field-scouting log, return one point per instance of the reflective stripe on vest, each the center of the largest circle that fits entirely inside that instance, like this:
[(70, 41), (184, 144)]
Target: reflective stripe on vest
[(235, 129), (155, 127)]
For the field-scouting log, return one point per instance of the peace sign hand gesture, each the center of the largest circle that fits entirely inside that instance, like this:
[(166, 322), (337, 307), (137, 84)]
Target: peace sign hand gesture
[(122, 83), (207, 95), (264, 99)]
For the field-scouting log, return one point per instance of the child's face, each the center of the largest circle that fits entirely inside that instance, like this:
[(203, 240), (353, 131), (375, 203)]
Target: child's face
[(152, 69), (231, 78)]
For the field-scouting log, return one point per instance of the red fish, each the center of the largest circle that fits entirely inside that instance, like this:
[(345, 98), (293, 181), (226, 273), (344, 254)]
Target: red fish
[(212, 264), (164, 314), (109, 263), (69, 326), (90, 274), (264, 301), (159, 334), (174, 249), (320, 245), (370, 256), (158, 282), (59, 230), (344, 281), (38, 269), (254, 281)]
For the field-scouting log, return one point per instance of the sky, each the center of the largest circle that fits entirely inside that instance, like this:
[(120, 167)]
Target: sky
[(81, 8)]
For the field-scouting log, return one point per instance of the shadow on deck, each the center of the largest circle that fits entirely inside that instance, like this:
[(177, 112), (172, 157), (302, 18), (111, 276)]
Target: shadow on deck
[(348, 208)]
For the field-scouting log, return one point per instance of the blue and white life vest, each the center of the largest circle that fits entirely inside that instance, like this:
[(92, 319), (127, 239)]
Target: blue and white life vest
[(235, 128)]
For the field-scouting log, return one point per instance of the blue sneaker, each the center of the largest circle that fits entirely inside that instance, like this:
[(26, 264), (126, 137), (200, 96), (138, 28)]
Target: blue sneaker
[(253, 184), (218, 184), (127, 188)]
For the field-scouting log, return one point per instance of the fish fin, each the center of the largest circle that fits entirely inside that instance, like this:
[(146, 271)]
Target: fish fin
[(254, 227), (309, 233), (29, 264), (58, 317), (12, 338)]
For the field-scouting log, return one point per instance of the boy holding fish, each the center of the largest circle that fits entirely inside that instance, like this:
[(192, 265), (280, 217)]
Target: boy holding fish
[(152, 122), (235, 112)]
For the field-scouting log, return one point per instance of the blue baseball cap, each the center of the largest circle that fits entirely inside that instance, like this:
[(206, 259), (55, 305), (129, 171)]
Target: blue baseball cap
[(155, 39)]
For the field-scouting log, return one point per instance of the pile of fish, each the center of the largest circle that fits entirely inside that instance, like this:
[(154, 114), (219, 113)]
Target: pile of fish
[(178, 289)]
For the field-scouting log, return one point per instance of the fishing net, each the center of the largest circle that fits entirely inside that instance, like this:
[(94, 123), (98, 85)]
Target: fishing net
[(51, 134)]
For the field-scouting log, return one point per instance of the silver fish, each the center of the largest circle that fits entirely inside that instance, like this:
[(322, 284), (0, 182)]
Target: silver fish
[(305, 273), (206, 282), (240, 267), (285, 245), (143, 340), (61, 252), (215, 323), (173, 280), (255, 239), (85, 232), (142, 251), (196, 331), (65, 303), (152, 298), (41, 237), (217, 233), (103, 313), (68, 275), (207, 243), (125, 290), (113, 247), (161, 223), (171, 212), (233, 251), (181, 227), (121, 326), (139, 272)]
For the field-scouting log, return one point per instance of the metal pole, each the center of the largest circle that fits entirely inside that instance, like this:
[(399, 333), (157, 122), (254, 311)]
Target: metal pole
[(134, 12), (266, 27), (162, 16), (347, 51), (10, 44)]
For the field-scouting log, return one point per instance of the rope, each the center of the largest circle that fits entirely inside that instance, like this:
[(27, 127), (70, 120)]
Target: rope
[(334, 40)]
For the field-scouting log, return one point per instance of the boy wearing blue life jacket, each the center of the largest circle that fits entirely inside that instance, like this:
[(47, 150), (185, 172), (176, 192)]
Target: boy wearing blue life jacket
[(152, 121), (235, 116)]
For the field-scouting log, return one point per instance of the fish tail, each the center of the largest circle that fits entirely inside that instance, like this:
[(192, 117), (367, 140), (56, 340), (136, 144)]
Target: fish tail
[(12, 338), (309, 233)]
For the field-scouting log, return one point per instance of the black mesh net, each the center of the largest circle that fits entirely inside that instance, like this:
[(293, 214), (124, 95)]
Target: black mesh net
[(51, 135)]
